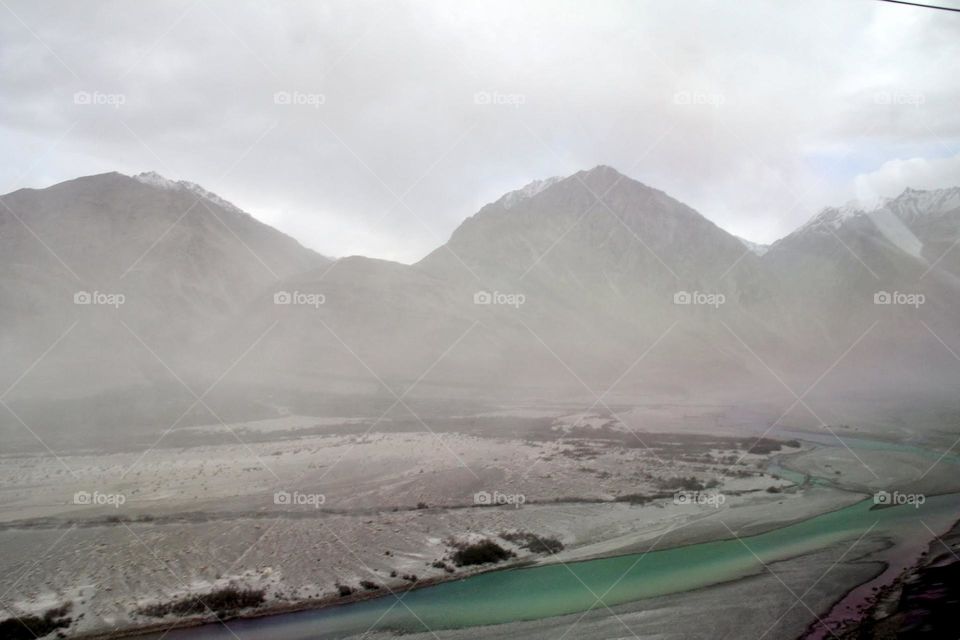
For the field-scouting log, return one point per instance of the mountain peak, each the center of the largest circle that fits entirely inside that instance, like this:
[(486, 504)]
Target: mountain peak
[(528, 191), (916, 202), (154, 179), (603, 170)]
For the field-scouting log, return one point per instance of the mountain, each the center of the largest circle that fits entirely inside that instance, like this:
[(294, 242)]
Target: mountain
[(569, 287), (167, 259), (757, 248), (893, 264)]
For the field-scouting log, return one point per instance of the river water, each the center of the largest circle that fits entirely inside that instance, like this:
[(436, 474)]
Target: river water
[(551, 590)]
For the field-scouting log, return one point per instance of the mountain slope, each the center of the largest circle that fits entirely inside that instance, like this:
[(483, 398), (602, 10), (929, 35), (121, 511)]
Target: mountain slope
[(180, 257)]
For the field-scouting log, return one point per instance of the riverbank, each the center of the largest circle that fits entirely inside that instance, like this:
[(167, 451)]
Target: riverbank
[(392, 502)]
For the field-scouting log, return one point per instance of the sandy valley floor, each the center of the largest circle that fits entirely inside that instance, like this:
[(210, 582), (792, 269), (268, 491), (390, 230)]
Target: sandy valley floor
[(374, 504)]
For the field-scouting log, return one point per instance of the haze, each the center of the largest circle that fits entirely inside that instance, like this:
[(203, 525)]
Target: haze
[(792, 106)]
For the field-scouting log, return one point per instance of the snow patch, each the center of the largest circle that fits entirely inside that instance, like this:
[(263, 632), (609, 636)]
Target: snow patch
[(154, 179), (512, 198)]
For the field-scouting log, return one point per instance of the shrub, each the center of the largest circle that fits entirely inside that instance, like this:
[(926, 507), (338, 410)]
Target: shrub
[(482, 552), (685, 484), (35, 626), (533, 542), (221, 602)]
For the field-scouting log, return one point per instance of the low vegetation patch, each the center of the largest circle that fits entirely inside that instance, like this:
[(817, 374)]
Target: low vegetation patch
[(533, 542), (29, 627), (222, 602), (483, 552)]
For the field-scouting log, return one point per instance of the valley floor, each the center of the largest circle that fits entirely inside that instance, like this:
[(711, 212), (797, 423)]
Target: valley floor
[(387, 505)]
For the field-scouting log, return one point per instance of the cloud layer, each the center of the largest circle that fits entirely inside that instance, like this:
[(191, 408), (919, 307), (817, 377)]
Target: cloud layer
[(375, 128)]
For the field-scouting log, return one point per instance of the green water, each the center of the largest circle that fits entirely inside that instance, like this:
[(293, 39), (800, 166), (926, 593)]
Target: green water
[(552, 590)]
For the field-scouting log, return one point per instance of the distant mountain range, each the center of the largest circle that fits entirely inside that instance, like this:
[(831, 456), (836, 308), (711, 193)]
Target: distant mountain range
[(115, 287)]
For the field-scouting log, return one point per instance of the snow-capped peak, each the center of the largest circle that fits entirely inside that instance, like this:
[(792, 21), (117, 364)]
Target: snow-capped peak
[(530, 190), (834, 217), (154, 179), (915, 202), (910, 204)]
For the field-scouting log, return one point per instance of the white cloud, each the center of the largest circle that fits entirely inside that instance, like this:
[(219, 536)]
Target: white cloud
[(919, 173), (788, 120)]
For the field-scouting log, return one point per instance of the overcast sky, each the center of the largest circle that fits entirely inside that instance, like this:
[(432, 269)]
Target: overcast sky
[(376, 128)]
